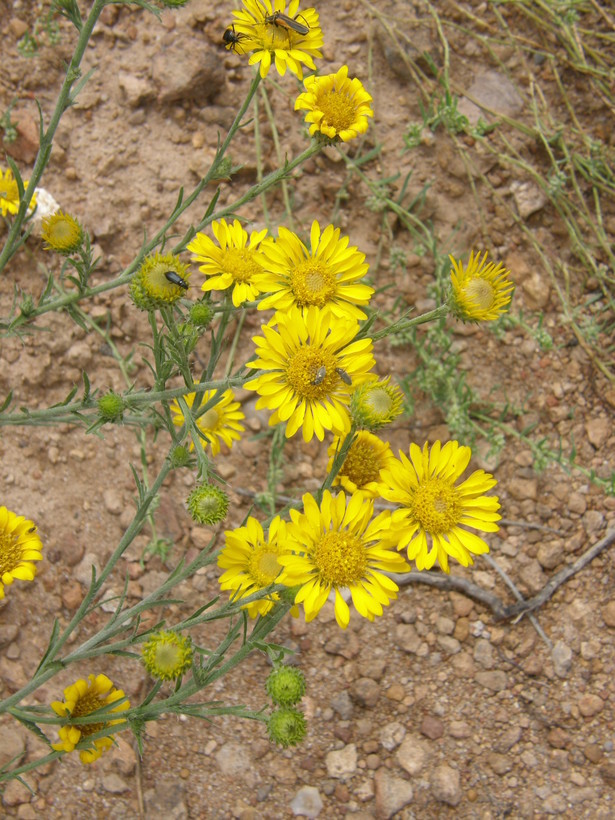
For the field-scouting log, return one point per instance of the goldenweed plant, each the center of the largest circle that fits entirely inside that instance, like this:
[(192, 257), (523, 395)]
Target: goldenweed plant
[(312, 368)]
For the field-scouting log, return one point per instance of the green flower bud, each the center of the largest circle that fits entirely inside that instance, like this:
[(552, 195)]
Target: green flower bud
[(111, 407), (208, 504), (287, 726), (201, 314), (180, 457), (285, 685)]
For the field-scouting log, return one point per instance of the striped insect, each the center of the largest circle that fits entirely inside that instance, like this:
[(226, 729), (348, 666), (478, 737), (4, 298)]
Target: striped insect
[(175, 279), (343, 375), (320, 375)]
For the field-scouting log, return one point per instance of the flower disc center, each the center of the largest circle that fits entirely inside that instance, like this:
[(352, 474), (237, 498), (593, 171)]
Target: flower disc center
[(264, 566), (341, 558), (361, 464), (10, 553), (312, 283), (338, 108), (240, 263), (436, 505), (480, 292), (311, 373)]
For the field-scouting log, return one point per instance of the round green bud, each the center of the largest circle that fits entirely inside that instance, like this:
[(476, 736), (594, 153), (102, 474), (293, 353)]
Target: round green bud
[(285, 685), (208, 504), (180, 457), (201, 314), (111, 407), (287, 726)]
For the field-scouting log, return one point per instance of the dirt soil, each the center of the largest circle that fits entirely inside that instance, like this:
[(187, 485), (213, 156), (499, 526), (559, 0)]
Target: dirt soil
[(436, 709)]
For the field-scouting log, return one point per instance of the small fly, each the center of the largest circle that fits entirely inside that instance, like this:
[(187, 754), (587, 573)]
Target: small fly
[(232, 39), (343, 375), (320, 375), (175, 279)]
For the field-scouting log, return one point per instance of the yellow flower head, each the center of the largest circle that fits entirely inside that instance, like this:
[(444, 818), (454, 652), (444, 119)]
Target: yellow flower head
[(62, 233), (310, 367), (338, 546), (336, 107), (361, 468), (219, 419), (232, 262), (251, 562), (270, 30), (376, 403), (84, 698), (433, 506), (9, 193), (167, 655), (326, 276), (481, 292), (159, 282), (19, 547)]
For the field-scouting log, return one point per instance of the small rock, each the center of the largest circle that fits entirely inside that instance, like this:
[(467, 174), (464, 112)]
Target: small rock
[(522, 489), (483, 654), (342, 763), (449, 644), (590, 705), (495, 92), (412, 755), (345, 644), (608, 614), (307, 802), (529, 199), (25, 148), (15, 793), (13, 746), (184, 71), (365, 692), (407, 638), (593, 752), (392, 794), (562, 659), (533, 576), (499, 763), (607, 773), (8, 633), (114, 784), (445, 626), (460, 729), (593, 521), (558, 738), (445, 785), (598, 431), (234, 759), (392, 735), (537, 291), (432, 727), (550, 555), (343, 705), (113, 501), (507, 739), (554, 804), (136, 89), (495, 680)]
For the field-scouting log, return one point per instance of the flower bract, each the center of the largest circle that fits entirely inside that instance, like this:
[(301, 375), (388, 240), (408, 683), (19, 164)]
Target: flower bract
[(9, 193), (361, 468), (233, 262), (272, 39), (337, 546), (84, 698), (62, 233), (376, 404), (310, 367), (337, 108), (208, 504), (220, 422), (167, 655), (20, 546), (251, 562), (434, 511), (158, 282), (327, 276), (481, 291)]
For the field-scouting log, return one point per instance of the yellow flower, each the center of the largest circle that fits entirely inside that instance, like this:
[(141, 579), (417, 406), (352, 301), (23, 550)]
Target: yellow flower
[(338, 546), (167, 655), (62, 233), (311, 365), (337, 107), (9, 193), (361, 468), (232, 262), (219, 422), (270, 36), (160, 281), (433, 506), (481, 292), (19, 547), (376, 403), (325, 276), (80, 699), (251, 562)]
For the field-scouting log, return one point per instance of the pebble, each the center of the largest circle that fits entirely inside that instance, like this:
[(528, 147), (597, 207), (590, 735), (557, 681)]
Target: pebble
[(593, 752), (114, 784), (365, 692), (391, 794), (412, 755), (523, 488), (499, 763), (558, 738), (562, 659), (507, 739), (342, 763), (495, 680), (483, 654), (343, 705), (608, 614), (533, 576), (590, 705), (598, 431), (113, 502), (432, 727), (550, 555), (15, 793), (460, 729), (445, 785), (307, 802), (13, 746), (234, 759), (392, 735), (554, 804)]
